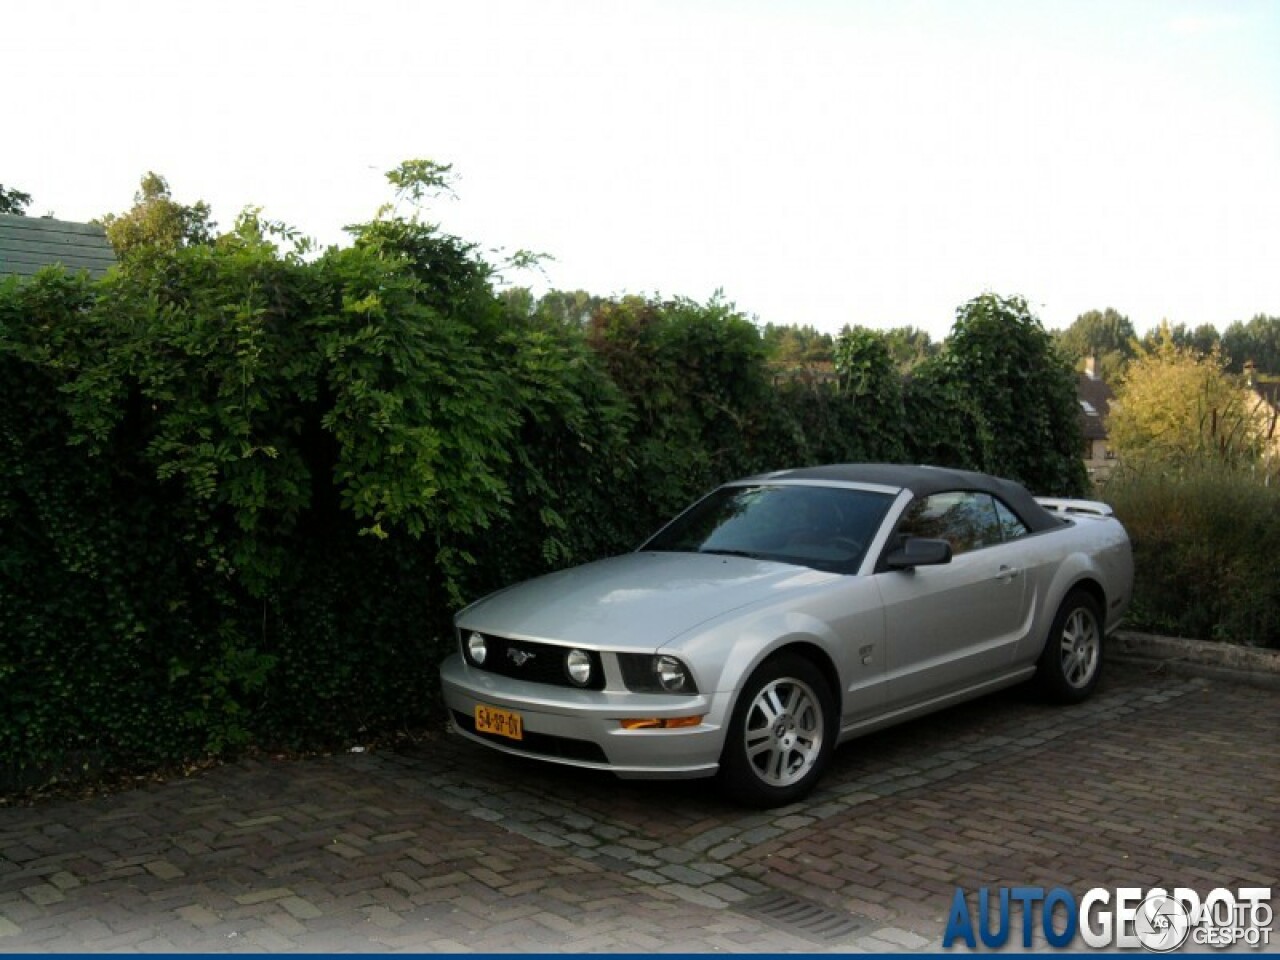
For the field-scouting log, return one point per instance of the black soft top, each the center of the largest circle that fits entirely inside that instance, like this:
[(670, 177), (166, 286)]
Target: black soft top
[(923, 482)]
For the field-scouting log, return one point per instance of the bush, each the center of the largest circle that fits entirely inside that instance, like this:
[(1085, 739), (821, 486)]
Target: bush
[(1019, 395), (1205, 543), (242, 493)]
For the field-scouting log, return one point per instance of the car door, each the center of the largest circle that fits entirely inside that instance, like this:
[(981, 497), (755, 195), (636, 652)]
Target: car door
[(952, 626)]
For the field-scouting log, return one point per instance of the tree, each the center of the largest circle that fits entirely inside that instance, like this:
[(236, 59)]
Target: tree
[(910, 346), (870, 392), (1106, 335), (1258, 340), (14, 201), (1004, 369), (1202, 339), (568, 308), (1177, 405), (788, 344), (158, 223)]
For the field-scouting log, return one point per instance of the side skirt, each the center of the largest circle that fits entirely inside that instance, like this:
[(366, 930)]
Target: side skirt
[(883, 720)]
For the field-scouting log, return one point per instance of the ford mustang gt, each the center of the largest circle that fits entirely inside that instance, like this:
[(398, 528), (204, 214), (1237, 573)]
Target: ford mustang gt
[(783, 614)]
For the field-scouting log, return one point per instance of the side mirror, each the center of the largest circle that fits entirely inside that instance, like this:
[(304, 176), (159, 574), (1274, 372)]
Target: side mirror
[(919, 552)]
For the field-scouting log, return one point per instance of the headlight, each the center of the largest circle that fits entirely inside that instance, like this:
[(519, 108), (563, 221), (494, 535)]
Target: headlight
[(477, 650), (656, 673), (578, 665), (672, 674)]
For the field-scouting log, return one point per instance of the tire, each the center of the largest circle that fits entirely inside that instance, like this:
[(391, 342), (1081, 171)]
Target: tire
[(1071, 661), (781, 735)]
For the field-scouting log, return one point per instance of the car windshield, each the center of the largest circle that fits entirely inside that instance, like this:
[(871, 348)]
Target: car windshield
[(828, 528)]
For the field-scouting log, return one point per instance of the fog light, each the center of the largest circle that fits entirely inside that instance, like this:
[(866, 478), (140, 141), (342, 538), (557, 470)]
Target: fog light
[(661, 723), (476, 648), (578, 665), (672, 674)]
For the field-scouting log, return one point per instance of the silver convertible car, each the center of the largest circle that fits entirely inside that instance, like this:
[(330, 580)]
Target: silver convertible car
[(783, 614)]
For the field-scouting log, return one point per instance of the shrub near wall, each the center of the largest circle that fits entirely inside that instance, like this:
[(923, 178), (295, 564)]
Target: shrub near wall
[(1205, 541), (86, 583), (242, 494), (703, 411), (1006, 400)]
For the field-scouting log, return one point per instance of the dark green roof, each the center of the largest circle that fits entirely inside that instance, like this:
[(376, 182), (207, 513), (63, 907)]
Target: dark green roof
[(29, 243)]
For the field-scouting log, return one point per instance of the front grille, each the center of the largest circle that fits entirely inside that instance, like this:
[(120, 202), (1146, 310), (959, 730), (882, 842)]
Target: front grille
[(543, 744), (535, 662)]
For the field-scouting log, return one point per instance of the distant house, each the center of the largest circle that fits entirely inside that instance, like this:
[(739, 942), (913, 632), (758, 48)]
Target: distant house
[(29, 243), (1264, 408), (1095, 399), (1267, 394)]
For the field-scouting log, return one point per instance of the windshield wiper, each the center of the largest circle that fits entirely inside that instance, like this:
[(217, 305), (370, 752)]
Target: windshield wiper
[(733, 553)]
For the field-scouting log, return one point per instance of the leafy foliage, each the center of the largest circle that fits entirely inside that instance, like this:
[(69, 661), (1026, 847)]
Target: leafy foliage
[(1205, 539), (1106, 335), (1178, 406), (269, 460), (1005, 399), (157, 223), (947, 423), (1257, 342), (1202, 339), (870, 396), (695, 380), (14, 201), (910, 346), (1109, 336), (787, 344)]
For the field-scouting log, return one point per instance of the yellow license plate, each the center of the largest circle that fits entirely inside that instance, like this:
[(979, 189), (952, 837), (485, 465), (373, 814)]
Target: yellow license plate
[(505, 723)]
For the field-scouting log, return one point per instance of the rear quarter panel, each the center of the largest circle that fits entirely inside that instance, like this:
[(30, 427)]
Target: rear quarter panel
[(1089, 551)]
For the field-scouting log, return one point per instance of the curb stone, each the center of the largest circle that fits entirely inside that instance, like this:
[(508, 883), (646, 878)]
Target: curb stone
[(1254, 666)]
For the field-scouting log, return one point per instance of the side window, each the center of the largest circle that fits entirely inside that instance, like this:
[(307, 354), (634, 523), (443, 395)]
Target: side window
[(1010, 526), (966, 520)]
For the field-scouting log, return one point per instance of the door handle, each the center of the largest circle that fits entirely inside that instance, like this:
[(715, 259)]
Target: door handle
[(1007, 573)]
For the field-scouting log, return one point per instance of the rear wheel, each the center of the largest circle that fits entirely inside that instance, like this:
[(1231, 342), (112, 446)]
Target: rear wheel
[(1071, 662), (781, 734)]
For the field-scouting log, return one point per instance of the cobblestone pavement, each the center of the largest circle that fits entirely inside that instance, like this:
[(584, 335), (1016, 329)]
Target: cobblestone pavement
[(448, 847)]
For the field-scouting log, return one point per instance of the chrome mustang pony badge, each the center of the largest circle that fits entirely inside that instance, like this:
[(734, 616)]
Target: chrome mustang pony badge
[(519, 657)]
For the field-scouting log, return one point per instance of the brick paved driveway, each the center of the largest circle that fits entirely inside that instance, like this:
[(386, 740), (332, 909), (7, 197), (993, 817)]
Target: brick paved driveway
[(1157, 780)]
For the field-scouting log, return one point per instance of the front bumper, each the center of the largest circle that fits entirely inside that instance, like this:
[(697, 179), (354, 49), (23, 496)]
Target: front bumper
[(582, 728)]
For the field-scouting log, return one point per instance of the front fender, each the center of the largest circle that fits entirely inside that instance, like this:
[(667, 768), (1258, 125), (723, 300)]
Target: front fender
[(844, 624)]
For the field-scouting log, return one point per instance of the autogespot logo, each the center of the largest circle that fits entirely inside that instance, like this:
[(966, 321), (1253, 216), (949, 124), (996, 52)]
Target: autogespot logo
[(1156, 920)]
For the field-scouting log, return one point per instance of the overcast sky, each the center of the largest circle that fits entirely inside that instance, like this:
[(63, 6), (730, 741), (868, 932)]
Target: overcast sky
[(823, 162)]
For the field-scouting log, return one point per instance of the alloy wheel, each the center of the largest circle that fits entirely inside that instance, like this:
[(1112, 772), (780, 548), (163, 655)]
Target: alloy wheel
[(1081, 646), (783, 732)]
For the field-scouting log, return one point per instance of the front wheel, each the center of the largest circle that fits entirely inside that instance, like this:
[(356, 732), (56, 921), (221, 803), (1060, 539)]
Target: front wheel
[(1071, 663), (781, 734)]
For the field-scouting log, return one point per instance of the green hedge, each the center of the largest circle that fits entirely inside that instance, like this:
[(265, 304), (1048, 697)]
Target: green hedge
[(242, 492)]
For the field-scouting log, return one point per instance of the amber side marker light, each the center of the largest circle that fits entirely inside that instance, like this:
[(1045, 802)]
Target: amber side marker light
[(659, 723)]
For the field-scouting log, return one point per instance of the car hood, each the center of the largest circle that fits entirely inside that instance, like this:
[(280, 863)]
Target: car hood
[(638, 601)]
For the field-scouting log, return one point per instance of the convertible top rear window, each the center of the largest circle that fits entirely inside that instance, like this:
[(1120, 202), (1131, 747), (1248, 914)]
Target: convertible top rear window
[(827, 528)]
